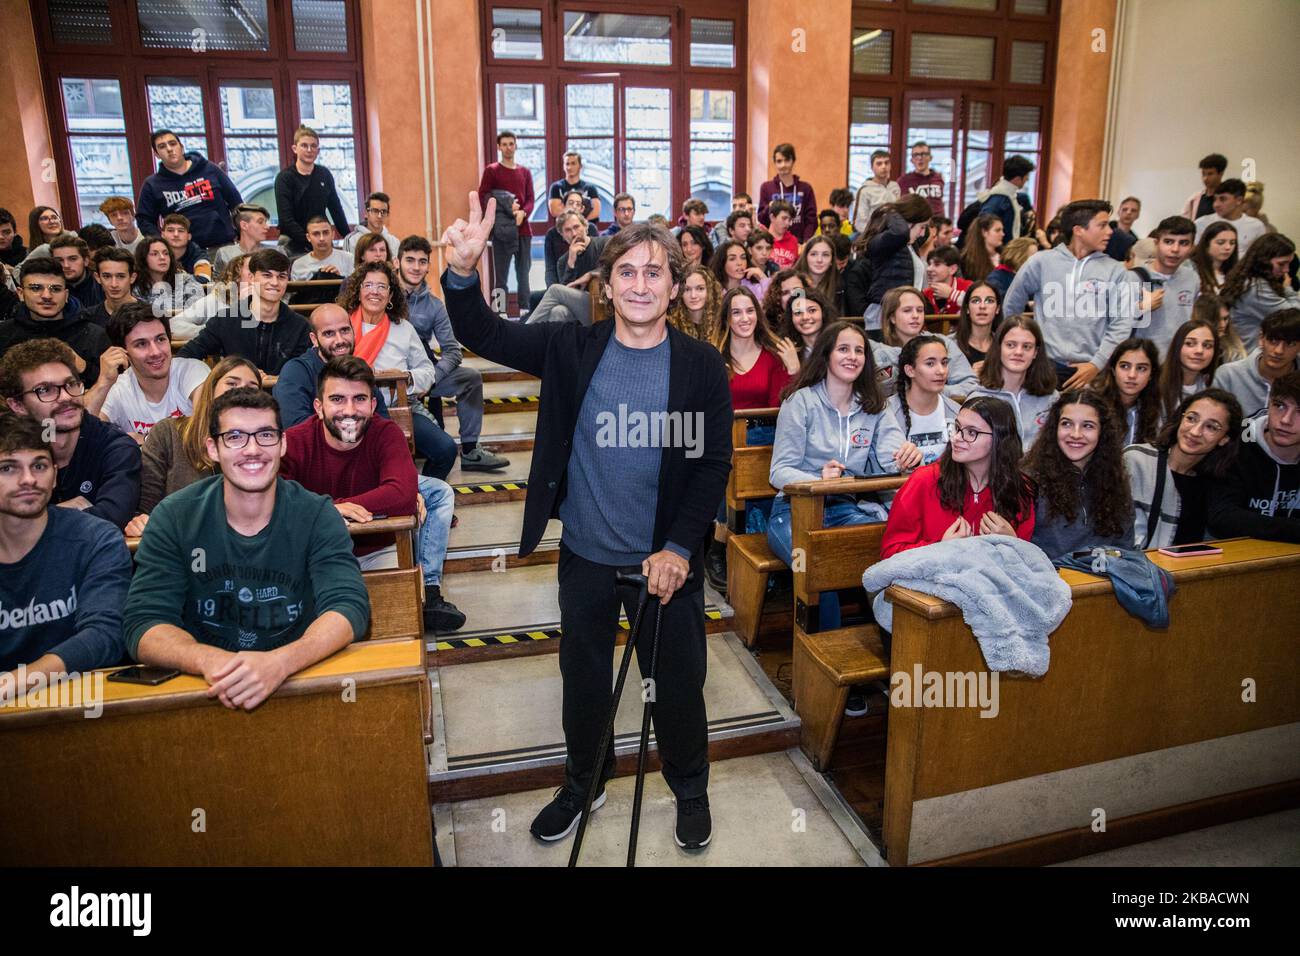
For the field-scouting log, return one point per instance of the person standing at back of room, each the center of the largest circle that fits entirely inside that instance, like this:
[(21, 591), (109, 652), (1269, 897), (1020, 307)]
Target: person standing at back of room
[(304, 189)]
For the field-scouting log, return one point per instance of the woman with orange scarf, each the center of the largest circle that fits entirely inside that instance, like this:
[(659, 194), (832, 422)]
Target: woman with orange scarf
[(383, 337)]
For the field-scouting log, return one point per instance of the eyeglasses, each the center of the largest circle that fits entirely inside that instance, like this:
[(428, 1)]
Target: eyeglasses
[(967, 433), (39, 287), (377, 212), (49, 392), (266, 437), (374, 286)]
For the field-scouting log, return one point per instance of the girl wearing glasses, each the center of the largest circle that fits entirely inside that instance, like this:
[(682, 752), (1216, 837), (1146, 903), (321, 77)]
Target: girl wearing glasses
[(175, 453), (827, 429), (1197, 444), (981, 314), (976, 486), (1019, 372), (1077, 467)]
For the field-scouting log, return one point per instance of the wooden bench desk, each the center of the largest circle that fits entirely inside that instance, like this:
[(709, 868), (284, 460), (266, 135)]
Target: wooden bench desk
[(329, 771), (1149, 726)]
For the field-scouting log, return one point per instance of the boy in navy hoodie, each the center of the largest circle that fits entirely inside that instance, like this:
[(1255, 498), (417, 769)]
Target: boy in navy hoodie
[(187, 183)]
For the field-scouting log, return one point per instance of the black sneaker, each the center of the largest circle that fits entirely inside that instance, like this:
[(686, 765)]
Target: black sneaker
[(856, 705), (715, 566), (559, 817), (440, 616), (694, 827)]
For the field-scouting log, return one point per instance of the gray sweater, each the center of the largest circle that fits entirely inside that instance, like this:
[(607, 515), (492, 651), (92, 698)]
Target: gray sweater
[(1140, 462), (1244, 380), (1256, 303), (810, 431), (1085, 307), (1181, 290), (1031, 410), (1056, 536)]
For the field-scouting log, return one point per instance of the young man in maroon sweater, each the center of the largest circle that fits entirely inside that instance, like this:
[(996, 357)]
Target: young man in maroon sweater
[(518, 181), (363, 463)]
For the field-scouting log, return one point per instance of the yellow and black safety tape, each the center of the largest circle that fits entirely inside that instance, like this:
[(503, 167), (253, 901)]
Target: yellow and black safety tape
[(525, 636)]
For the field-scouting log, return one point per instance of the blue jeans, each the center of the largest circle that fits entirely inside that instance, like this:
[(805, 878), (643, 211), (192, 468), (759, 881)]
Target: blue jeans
[(835, 515), (438, 448), (440, 502)]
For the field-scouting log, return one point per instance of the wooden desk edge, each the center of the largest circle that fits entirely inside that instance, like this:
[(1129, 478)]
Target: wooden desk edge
[(933, 608)]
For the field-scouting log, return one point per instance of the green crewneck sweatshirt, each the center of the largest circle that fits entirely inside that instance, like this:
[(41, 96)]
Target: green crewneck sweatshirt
[(243, 593)]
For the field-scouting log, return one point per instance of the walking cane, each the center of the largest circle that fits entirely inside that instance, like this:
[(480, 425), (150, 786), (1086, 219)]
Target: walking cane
[(625, 577)]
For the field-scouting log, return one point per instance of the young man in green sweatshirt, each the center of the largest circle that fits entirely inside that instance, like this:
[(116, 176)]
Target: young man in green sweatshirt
[(244, 578)]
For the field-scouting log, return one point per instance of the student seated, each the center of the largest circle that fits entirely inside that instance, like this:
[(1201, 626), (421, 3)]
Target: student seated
[(569, 228), (385, 338), (155, 385), (828, 428), (73, 256), (113, 270), (261, 328), (331, 337), (1014, 255), (817, 262), (1257, 286), (252, 222), (758, 364), (1259, 496), (945, 291), (979, 318), (902, 318), (280, 589), (804, 318), (372, 247), (98, 465), (189, 255), (175, 452), (378, 207), (452, 377), (1197, 445), (1022, 376), (976, 486), (1190, 364), (361, 461), (48, 311), (918, 413), (1278, 354), (160, 280), (323, 261), (1131, 384), (698, 310), (234, 284), (1079, 478), (1229, 206), (760, 244), (1171, 283), (63, 573)]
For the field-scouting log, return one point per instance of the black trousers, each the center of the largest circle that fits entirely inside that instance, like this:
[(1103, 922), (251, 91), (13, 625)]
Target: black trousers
[(589, 605)]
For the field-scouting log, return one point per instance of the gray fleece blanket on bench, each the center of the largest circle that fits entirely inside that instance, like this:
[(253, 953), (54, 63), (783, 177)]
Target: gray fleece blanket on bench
[(1008, 590)]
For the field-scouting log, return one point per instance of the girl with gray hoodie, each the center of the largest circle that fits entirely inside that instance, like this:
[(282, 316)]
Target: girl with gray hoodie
[(1256, 286), (827, 429), (1019, 372), (918, 412)]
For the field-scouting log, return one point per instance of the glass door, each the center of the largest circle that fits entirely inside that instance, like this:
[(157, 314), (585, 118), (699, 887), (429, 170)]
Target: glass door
[(935, 119)]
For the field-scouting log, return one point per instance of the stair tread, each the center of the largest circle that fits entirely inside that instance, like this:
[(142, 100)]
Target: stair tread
[(753, 801)]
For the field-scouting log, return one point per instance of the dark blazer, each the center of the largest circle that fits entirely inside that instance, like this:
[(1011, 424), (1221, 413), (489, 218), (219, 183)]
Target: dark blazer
[(564, 355)]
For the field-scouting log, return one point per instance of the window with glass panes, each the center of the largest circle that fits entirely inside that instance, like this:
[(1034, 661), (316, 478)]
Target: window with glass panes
[(651, 96), (121, 70), (972, 79)]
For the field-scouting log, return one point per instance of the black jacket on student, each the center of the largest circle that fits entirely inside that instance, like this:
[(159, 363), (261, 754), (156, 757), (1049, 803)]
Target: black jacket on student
[(268, 345), (889, 258), (1259, 497), (85, 338), (105, 470), (564, 355)]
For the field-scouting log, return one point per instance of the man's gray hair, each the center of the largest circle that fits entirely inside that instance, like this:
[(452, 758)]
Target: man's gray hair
[(636, 234)]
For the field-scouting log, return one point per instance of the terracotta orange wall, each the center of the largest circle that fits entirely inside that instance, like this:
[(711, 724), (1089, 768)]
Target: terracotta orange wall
[(415, 72), (1085, 48), (799, 89), (24, 132)]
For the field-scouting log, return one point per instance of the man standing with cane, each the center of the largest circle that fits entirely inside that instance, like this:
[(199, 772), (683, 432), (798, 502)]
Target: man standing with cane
[(640, 495)]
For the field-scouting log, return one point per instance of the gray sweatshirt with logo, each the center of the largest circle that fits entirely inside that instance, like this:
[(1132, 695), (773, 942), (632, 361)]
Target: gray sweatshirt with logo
[(1085, 307), (810, 431)]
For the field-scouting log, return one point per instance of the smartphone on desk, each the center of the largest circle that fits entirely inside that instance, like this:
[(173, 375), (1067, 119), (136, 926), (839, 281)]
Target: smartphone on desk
[(1190, 550), (139, 674)]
